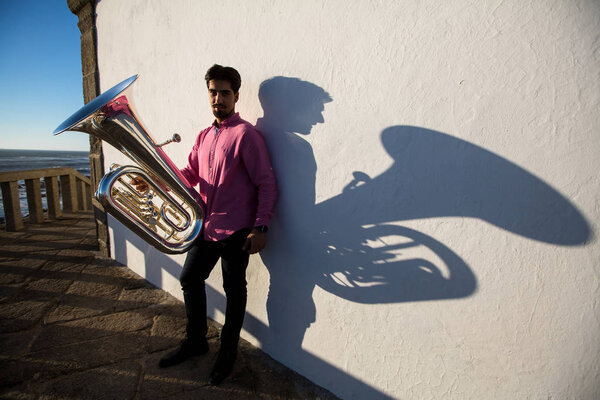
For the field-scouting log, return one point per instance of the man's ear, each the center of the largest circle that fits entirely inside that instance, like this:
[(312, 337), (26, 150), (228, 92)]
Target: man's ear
[(237, 97)]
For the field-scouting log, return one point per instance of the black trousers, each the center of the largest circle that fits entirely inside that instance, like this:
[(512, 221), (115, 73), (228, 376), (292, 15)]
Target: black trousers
[(200, 261)]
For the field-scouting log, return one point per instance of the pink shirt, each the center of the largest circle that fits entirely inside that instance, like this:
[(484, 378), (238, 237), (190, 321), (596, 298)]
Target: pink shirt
[(236, 181)]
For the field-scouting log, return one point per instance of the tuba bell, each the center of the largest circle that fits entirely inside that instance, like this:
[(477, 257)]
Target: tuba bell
[(168, 212)]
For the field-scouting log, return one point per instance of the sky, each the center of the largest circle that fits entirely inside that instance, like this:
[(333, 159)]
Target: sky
[(40, 75)]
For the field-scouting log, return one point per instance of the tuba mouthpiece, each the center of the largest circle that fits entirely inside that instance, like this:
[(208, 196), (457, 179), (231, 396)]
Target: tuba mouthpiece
[(175, 138)]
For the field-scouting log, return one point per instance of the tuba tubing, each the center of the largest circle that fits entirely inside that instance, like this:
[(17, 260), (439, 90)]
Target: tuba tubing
[(169, 213)]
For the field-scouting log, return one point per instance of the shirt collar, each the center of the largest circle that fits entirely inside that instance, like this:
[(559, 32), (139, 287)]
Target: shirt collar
[(228, 122)]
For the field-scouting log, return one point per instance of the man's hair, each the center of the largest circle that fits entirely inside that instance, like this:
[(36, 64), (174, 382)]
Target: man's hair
[(222, 73)]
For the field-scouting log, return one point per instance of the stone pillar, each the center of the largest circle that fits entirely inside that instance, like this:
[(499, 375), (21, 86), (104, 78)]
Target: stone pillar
[(52, 197), (86, 12), (69, 193), (34, 200), (12, 207)]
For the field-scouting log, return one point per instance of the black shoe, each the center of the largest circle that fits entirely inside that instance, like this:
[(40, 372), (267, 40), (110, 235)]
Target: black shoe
[(223, 366), (185, 350)]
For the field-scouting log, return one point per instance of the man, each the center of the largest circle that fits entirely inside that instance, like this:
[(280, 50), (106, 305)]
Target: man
[(230, 163)]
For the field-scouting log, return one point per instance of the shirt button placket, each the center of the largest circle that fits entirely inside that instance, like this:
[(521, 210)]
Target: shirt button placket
[(211, 154)]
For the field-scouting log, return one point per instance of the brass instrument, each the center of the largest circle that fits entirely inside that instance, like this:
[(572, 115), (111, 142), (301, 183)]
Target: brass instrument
[(168, 212)]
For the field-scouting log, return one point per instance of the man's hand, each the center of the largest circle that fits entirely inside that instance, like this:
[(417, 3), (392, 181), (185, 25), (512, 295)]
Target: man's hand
[(255, 242), (139, 184)]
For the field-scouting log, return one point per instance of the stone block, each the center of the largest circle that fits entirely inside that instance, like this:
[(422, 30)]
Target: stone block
[(22, 315), (94, 353), (166, 332), (85, 329), (174, 382), (118, 381), (18, 271), (16, 344), (85, 299)]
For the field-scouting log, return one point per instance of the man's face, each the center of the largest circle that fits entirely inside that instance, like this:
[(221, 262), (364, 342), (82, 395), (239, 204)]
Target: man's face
[(222, 99)]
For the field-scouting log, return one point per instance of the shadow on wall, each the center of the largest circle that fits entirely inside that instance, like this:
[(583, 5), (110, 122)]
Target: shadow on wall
[(348, 245), (433, 175)]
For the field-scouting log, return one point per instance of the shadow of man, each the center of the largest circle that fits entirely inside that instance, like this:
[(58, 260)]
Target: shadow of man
[(292, 107)]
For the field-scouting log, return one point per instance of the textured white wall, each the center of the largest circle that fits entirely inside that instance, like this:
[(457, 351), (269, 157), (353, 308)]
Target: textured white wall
[(438, 163)]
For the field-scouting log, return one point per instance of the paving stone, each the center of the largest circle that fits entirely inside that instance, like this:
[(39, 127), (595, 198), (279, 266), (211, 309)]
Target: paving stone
[(98, 271), (216, 393), (21, 315), (188, 376), (85, 329), (11, 236), (16, 344), (85, 299), (132, 296), (12, 272), (16, 273), (19, 266), (17, 394), (15, 373), (51, 234), (94, 353), (74, 253), (43, 289), (167, 332), (45, 256), (34, 244), (59, 270), (8, 291), (16, 252), (24, 371), (118, 381), (169, 306), (29, 303)]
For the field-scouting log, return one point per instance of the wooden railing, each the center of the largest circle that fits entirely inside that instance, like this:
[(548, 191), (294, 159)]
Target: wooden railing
[(65, 183)]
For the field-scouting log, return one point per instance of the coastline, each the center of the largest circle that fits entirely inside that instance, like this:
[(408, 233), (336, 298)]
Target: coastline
[(26, 159)]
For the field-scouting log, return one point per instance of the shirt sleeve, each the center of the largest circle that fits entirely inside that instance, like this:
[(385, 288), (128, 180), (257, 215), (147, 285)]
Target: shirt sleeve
[(258, 165), (190, 171)]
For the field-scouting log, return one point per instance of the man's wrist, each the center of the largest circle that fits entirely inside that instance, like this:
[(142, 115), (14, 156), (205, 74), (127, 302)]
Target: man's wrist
[(261, 228)]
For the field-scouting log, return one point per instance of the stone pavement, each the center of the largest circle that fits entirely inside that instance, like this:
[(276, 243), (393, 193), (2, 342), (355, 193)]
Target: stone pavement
[(76, 326)]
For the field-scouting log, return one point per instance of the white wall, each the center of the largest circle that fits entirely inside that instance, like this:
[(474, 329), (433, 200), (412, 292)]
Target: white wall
[(436, 232)]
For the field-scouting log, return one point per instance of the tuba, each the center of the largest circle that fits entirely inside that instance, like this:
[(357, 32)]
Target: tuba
[(168, 212)]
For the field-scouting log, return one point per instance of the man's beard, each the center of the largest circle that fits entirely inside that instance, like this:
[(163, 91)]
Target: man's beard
[(221, 113)]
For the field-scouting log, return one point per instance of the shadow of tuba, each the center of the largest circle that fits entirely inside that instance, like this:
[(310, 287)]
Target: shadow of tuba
[(168, 212)]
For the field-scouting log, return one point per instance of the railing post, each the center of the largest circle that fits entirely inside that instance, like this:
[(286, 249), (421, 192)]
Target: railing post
[(88, 194), (79, 195), (82, 195), (12, 207), (34, 200), (69, 193), (53, 197)]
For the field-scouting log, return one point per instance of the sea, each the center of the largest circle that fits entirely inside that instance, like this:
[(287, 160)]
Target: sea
[(17, 160)]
